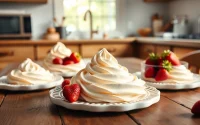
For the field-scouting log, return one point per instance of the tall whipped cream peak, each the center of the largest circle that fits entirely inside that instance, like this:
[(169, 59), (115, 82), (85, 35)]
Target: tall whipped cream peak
[(29, 72), (60, 50), (104, 80)]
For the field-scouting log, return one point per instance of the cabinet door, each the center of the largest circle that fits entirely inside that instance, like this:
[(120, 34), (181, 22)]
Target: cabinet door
[(16, 53), (117, 50), (145, 49), (42, 51), (180, 51), (160, 49)]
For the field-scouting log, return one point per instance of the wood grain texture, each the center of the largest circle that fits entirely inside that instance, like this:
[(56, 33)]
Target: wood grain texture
[(165, 112), (29, 108), (186, 98), (72, 117)]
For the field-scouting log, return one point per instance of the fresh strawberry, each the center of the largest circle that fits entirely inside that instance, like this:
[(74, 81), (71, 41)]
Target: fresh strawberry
[(161, 75), (166, 65), (151, 60), (159, 61), (71, 92), (65, 82), (57, 60), (67, 62), (76, 57), (150, 72), (171, 57), (196, 108)]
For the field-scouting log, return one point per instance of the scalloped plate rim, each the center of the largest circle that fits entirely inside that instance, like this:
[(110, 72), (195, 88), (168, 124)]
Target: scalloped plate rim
[(104, 107)]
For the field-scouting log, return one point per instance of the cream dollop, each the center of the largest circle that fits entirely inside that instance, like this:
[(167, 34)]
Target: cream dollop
[(104, 80), (28, 73), (178, 74), (61, 51)]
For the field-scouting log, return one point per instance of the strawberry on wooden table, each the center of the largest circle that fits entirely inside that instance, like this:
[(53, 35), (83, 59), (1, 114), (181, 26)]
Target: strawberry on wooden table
[(76, 57), (196, 108), (65, 82), (57, 60), (72, 92), (171, 57)]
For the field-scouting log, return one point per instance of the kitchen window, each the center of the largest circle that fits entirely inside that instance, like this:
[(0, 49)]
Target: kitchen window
[(103, 11)]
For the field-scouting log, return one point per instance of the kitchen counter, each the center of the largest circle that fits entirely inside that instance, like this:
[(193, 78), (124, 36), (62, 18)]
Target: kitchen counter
[(172, 42), (48, 42)]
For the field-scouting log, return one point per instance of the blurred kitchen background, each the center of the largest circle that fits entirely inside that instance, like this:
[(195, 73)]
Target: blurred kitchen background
[(126, 28), (115, 18)]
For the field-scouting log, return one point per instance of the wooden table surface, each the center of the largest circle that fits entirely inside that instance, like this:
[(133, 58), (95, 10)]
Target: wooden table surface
[(35, 108)]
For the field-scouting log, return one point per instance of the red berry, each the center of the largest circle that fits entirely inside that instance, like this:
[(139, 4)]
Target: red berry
[(171, 57), (57, 60), (152, 59), (65, 82), (196, 108), (161, 75), (150, 72), (76, 57), (67, 62), (72, 92)]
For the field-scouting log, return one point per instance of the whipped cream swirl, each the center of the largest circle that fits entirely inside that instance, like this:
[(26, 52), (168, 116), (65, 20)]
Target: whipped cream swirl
[(28, 73), (178, 74), (104, 80), (61, 51)]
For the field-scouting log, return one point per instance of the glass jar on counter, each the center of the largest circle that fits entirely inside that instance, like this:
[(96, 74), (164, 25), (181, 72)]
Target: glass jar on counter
[(181, 25)]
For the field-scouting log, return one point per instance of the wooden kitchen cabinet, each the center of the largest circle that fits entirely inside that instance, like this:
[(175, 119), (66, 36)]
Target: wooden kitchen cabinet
[(117, 50), (10, 54), (25, 1), (145, 49), (42, 51), (180, 51)]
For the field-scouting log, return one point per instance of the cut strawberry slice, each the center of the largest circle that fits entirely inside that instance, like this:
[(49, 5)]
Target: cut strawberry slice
[(72, 92), (65, 82)]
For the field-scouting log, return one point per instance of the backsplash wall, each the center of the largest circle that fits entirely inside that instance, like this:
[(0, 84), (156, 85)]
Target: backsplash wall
[(41, 14), (189, 7), (138, 14)]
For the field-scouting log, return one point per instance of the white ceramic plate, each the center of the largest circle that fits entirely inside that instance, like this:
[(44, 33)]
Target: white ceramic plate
[(172, 86), (4, 85), (152, 97)]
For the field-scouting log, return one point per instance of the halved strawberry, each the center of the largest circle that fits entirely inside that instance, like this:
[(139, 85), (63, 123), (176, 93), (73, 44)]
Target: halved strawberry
[(171, 57), (57, 60), (76, 57), (161, 75), (65, 82), (149, 72), (72, 92), (196, 108), (151, 60)]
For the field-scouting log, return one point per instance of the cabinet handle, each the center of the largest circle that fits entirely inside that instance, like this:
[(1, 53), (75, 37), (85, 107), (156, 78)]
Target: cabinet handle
[(110, 50), (8, 53)]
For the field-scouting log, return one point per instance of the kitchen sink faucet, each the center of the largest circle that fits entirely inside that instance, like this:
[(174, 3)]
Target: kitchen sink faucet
[(91, 23)]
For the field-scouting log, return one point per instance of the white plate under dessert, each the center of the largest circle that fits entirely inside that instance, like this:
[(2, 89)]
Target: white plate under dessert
[(174, 86), (153, 96), (6, 86)]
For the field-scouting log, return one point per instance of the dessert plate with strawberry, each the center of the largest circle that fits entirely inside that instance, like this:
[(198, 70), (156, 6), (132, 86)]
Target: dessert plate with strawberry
[(62, 61), (167, 72), (104, 85), (68, 96)]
